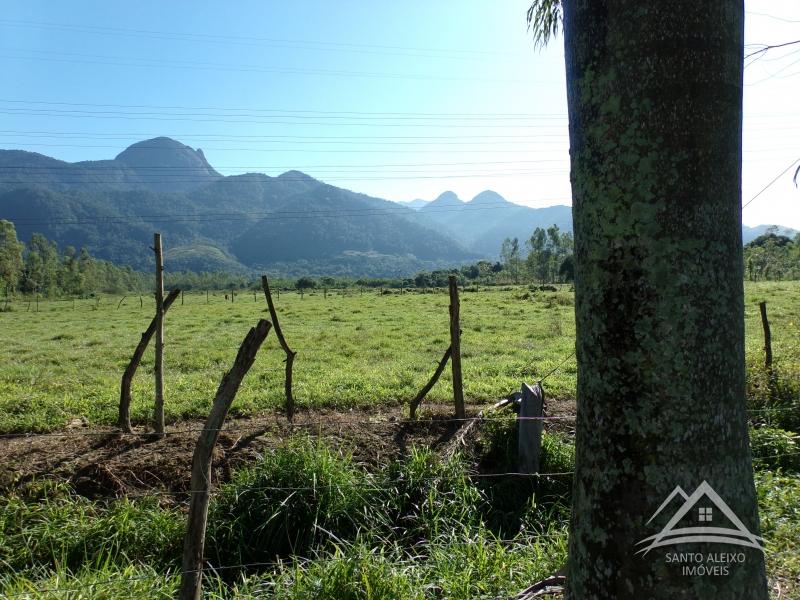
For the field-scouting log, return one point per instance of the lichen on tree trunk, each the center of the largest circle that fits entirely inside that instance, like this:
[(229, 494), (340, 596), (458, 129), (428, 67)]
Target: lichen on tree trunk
[(655, 111)]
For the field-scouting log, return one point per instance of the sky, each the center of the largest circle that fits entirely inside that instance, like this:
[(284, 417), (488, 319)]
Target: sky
[(399, 100)]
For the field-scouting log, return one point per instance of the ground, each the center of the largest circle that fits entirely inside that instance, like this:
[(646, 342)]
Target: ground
[(361, 357)]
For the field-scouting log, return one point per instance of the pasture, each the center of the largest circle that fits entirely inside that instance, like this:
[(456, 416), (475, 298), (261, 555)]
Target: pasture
[(64, 363), (350, 502)]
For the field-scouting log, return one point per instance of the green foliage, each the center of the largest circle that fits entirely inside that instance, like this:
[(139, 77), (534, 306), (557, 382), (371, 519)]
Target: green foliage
[(430, 497), (59, 529), (779, 510), (323, 497), (772, 257), (775, 449), (544, 19), (10, 256)]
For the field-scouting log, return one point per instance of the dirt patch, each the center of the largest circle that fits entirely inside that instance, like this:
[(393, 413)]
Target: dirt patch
[(103, 463)]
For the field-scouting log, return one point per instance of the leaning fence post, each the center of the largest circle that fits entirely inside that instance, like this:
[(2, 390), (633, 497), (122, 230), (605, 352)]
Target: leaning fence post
[(124, 419), (412, 412), (273, 314), (455, 347), (194, 542), (530, 428)]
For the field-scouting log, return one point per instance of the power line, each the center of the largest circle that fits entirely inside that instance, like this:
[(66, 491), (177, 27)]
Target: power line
[(366, 114), (296, 167), (115, 61), (238, 39), (219, 118), (278, 215), (766, 187)]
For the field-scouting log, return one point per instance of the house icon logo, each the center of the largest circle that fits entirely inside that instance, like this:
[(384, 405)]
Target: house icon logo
[(705, 531)]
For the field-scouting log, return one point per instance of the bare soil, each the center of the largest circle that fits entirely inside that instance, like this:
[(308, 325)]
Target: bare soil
[(104, 463)]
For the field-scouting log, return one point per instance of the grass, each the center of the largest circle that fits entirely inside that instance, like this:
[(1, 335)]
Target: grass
[(414, 528), (353, 350)]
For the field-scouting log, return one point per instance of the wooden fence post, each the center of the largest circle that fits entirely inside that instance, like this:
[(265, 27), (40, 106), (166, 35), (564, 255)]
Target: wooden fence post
[(455, 347), (194, 542), (273, 314), (529, 440), (412, 413), (181, 297), (124, 419), (159, 359), (767, 336)]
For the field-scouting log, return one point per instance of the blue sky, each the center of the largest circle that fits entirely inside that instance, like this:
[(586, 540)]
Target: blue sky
[(400, 100)]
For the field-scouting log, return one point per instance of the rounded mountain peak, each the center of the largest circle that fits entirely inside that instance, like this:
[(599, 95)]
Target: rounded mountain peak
[(168, 164), (488, 197)]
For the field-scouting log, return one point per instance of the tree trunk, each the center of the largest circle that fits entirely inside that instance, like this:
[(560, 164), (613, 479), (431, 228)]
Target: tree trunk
[(655, 114)]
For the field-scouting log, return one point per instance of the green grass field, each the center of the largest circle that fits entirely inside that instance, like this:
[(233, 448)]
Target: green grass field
[(353, 350), (414, 527)]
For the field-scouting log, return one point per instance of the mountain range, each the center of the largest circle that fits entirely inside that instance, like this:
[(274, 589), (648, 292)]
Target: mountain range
[(291, 223)]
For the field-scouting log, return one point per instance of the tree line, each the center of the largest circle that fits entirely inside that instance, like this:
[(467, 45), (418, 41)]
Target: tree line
[(772, 257)]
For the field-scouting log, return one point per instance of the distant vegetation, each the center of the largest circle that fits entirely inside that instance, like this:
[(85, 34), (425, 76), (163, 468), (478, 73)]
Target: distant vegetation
[(772, 257)]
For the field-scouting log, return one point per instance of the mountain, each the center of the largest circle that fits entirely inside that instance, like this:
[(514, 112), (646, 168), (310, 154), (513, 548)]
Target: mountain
[(751, 233), (158, 165), (485, 221), (292, 223), (165, 165), (415, 204), (210, 222)]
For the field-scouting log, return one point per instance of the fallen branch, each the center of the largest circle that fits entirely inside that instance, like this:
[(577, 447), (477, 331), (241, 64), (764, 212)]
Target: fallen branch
[(546, 587)]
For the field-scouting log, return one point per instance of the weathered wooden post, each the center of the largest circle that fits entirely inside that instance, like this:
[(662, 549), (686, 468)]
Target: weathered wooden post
[(455, 348), (273, 314), (529, 440), (767, 336), (181, 297), (124, 418), (159, 358), (194, 542), (412, 412)]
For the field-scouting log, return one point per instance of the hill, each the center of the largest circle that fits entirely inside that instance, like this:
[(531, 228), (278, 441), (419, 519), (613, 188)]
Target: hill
[(485, 221), (241, 222), (292, 223)]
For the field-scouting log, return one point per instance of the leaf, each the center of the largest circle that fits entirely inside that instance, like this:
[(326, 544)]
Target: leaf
[(544, 17)]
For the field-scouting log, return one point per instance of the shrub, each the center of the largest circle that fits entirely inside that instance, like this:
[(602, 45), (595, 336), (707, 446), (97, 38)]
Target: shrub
[(775, 449), (294, 498)]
